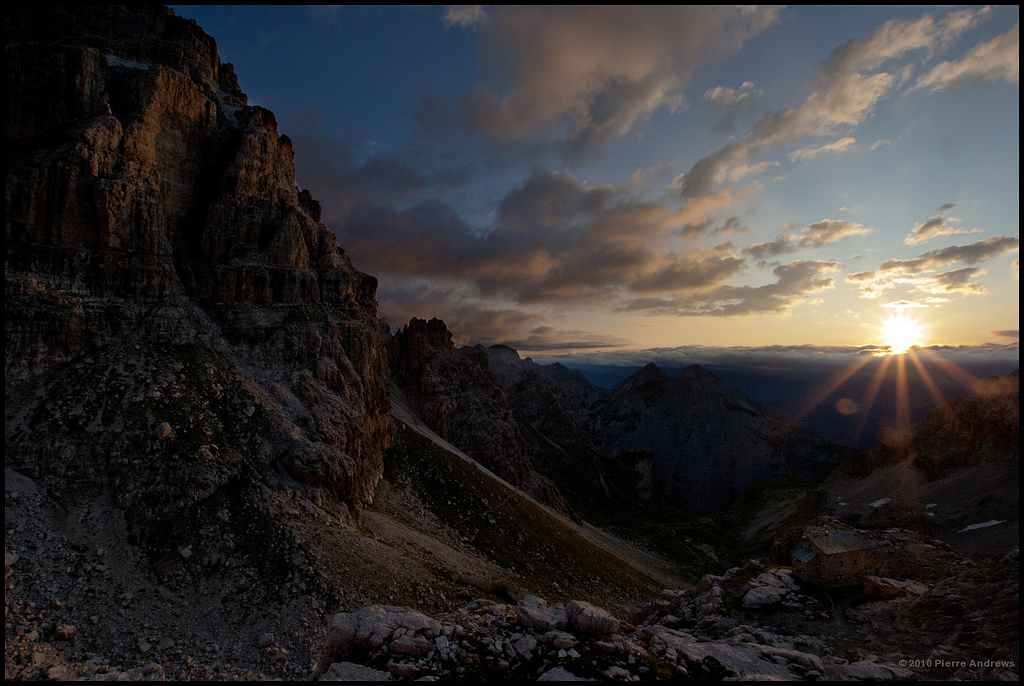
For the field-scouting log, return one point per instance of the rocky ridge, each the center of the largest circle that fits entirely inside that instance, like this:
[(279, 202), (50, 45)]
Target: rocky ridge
[(692, 441)]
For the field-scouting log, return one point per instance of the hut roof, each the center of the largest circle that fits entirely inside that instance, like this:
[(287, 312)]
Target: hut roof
[(842, 542)]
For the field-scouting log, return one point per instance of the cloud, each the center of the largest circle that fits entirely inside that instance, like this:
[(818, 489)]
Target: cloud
[(732, 102), (465, 16), (956, 281), (724, 96), (921, 273), (469, 319), (900, 305), (968, 254), (586, 74), (829, 231), (793, 285), (933, 228), (809, 153), (762, 251), (844, 93), (1008, 333), (549, 339), (994, 60), (554, 239), (693, 271), (811, 361)]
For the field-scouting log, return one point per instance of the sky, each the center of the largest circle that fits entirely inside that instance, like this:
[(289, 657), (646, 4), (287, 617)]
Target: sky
[(586, 179)]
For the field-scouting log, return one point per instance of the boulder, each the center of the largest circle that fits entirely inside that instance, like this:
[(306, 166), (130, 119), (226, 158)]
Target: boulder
[(535, 613), (590, 619)]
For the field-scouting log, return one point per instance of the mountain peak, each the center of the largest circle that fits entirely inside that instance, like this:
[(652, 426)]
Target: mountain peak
[(695, 371), (649, 378), (650, 371)]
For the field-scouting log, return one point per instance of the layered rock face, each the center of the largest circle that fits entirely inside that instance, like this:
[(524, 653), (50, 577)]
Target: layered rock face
[(455, 396), (170, 292)]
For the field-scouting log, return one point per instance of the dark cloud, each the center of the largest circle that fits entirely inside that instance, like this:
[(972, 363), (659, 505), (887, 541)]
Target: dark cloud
[(469, 320), (694, 271), (554, 239), (762, 251), (548, 339), (586, 74)]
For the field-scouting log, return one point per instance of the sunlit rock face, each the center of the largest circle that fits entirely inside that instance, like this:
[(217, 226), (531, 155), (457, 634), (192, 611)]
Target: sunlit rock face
[(163, 268)]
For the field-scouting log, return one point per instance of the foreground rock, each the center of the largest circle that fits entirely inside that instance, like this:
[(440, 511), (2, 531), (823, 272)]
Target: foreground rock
[(489, 640)]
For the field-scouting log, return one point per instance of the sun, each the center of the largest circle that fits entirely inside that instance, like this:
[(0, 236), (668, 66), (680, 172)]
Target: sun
[(900, 332)]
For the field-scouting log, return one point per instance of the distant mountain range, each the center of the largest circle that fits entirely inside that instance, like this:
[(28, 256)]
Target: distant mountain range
[(802, 392), (691, 440)]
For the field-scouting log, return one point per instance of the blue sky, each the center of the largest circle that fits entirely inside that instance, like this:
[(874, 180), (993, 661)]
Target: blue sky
[(604, 178)]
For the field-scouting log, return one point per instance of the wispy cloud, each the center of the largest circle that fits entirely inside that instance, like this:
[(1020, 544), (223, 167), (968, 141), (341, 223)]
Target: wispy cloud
[(466, 16), (994, 60), (809, 153), (935, 227), (846, 89), (921, 273), (829, 231), (586, 74)]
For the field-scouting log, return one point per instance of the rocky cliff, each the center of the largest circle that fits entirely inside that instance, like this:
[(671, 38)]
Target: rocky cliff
[(177, 316), (454, 394)]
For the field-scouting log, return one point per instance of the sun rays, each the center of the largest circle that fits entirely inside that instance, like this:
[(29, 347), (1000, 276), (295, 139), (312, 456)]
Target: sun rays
[(900, 332), (902, 362)]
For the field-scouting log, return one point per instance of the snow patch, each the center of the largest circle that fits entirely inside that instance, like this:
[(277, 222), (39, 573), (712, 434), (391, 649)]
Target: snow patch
[(982, 525), (115, 61), (879, 503)]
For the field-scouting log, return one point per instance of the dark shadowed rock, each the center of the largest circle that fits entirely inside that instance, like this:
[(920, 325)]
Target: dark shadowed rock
[(162, 269), (456, 397), (702, 440)]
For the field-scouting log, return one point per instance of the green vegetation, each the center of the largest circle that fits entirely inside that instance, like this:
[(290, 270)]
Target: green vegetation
[(536, 548)]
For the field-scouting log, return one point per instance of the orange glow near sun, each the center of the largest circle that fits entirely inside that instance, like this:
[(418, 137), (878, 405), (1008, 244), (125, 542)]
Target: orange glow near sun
[(900, 332)]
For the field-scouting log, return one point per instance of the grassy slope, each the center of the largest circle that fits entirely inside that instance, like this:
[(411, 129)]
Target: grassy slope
[(540, 552)]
